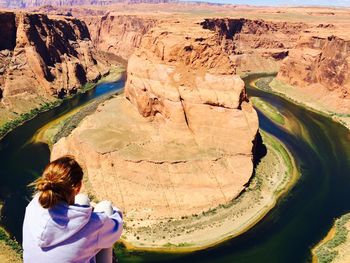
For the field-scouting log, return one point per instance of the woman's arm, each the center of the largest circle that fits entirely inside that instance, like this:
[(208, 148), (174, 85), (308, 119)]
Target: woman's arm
[(111, 229)]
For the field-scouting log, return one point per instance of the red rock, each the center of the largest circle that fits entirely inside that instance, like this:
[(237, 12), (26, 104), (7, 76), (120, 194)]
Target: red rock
[(183, 143), (319, 60), (42, 57)]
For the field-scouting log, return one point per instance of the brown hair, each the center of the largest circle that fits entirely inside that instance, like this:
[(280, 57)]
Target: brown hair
[(58, 181)]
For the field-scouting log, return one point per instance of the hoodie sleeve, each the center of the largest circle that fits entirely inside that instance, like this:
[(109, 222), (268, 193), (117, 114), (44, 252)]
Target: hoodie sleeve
[(111, 230)]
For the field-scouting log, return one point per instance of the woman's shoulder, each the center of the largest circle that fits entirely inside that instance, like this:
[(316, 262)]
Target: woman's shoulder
[(99, 217)]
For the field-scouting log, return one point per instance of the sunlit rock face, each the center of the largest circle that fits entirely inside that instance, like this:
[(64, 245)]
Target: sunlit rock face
[(181, 140), (256, 45), (43, 57), (118, 34), (319, 60)]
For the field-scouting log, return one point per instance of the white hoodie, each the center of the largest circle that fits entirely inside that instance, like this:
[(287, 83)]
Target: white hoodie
[(67, 233)]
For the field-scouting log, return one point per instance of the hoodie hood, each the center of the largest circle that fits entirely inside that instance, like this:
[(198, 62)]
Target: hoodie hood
[(55, 225)]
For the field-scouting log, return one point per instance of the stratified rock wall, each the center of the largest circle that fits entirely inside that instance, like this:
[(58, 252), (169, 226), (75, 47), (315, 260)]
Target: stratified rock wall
[(118, 34), (255, 45), (43, 57), (319, 60)]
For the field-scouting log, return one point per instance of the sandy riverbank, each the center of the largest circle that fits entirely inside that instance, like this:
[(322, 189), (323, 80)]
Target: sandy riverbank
[(335, 247), (303, 98), (275, 175), (269, 111), (62, 126)]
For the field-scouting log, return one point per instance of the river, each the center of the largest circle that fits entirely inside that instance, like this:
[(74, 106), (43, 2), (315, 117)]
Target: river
[(286, 234)]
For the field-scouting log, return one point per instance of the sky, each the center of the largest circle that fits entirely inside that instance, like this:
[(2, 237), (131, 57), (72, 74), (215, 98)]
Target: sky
[(283, 2)]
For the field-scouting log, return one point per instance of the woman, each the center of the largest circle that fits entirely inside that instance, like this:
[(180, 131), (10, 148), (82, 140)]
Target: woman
[(56, 230)]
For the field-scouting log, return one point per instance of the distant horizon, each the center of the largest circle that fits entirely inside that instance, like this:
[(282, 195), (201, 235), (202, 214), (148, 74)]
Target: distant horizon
[(334, 3)]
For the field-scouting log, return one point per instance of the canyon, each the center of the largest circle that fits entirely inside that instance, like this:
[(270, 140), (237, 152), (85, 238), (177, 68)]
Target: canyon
[(311, 58), (319, 60), (183, 138), (184, 128)]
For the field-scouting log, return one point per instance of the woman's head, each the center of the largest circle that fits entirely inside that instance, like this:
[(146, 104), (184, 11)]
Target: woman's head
[(61, 181)]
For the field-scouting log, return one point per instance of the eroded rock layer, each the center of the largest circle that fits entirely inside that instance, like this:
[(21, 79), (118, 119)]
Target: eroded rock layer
[(256, 45), (182, 140), (319, 60), (118, 34), (42, 57)]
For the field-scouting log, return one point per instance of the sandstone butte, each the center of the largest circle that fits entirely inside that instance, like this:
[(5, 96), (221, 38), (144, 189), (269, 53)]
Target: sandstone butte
[(181, 140), (41, 58)]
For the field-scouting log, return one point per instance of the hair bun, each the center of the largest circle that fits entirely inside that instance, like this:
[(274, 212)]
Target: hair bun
[(45, 185), (58, 182)]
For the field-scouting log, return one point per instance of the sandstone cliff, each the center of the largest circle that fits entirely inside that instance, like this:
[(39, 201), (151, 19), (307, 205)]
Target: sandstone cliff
[(182, 140), (42, 57), (256, 45), (319, 60), (118, 34), (251, 45), (306, 56), (317, 74)]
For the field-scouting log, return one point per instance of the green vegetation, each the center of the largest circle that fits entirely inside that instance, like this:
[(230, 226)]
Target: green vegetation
[(185, 244), (264, 83), (86, 87), (326, 256), (264, 170), (10, 125), (280, 148), (327, 251), (5, 238), (115, 73), (268, 110)]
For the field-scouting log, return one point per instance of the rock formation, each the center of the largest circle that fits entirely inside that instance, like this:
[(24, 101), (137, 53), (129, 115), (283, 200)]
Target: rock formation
[(316, 72), (118, 34), (252, 45), (319, 60), (41, 57), (181, 141), (256, 45)]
